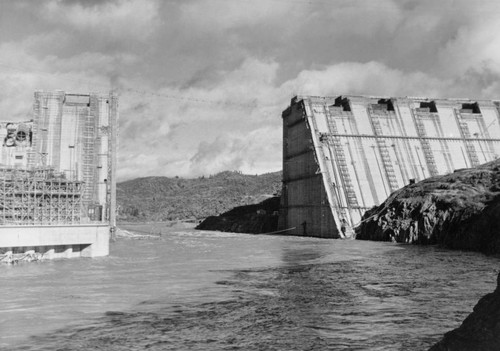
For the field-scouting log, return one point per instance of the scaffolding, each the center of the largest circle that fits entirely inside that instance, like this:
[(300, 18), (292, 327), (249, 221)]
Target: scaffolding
[(39, 197)]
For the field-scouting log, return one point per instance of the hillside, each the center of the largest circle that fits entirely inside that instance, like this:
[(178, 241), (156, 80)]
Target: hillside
[(163, 198), (459, 211)]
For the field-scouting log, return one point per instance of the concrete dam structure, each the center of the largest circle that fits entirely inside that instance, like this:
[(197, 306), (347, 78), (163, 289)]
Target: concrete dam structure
[(57, 178), (343, 155)]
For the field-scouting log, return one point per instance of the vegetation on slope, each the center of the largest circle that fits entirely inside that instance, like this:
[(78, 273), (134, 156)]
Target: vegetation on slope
[(163, 198), (459, 210)]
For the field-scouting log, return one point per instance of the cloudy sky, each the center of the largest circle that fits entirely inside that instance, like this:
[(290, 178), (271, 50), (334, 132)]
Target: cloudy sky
[(202, 83)]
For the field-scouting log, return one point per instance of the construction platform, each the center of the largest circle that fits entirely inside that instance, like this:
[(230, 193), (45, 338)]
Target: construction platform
[(343, 155), (57, 178)]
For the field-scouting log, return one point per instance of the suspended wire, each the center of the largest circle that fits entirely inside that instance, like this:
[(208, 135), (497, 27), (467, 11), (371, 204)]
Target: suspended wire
[(367, 5), (122, 91), (187, 98)]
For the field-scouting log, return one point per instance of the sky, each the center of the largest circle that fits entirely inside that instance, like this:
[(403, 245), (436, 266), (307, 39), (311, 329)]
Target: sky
[(202, 83)]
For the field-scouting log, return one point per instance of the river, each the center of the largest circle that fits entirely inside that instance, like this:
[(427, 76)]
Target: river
[(198, 290)]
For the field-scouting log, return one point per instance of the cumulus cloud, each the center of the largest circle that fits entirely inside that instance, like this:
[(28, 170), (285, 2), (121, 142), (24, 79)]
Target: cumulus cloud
[(254, 152), (213, 128), (476, 47), (219, 15), (202, 83), (120, 19), (372, 78)]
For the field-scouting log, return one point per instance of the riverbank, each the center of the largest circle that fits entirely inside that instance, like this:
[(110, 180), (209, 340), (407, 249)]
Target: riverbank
[(151, 228), (457, 211), (259, 218)]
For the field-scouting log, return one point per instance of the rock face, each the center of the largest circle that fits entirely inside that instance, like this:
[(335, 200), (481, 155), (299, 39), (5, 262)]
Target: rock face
[(480, 331), (459, 211), (254, 219)]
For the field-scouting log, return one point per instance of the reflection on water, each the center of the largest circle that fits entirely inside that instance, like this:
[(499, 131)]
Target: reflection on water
[(193, 290)]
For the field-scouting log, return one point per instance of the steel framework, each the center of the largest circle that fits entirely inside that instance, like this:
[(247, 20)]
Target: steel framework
[(39, 197)]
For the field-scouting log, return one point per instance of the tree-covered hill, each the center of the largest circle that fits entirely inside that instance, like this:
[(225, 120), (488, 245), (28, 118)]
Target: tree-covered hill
[(163, 198)]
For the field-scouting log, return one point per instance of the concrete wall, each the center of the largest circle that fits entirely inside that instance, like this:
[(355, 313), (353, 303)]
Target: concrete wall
[(71, 241), (306, 207), (76, 135), (358, 150)]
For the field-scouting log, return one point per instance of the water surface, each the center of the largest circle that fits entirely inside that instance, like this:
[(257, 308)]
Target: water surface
[(196, 290)]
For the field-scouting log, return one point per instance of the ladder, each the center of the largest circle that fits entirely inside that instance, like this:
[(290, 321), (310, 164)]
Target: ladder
[(469, 147), (88, 170), (426, 147), (338, 150), (384, 154)]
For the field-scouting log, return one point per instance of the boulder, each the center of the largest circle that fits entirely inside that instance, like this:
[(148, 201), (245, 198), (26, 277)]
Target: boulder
[(460, 210)]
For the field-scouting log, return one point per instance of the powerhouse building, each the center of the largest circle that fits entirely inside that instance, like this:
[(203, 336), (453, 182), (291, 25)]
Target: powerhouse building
[(343, 155), (57, 177)]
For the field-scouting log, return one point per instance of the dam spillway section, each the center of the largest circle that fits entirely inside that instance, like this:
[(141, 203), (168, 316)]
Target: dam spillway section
[(343, 155)]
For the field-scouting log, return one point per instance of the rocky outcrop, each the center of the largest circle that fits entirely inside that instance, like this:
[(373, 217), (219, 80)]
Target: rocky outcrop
[(459, 211), (255, 219), (480, 331)]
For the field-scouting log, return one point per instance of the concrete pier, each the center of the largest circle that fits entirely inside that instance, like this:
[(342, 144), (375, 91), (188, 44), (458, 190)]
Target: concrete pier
[(56, 241), (57, 177)]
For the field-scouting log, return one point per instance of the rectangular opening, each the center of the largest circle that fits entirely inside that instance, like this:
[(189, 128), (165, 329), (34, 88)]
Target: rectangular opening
[(59, 248), (470, 108), (387, 104), (75, 99), (18, 250), (431, 105)]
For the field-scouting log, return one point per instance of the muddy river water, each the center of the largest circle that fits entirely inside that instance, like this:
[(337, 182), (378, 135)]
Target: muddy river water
[(197, 290)]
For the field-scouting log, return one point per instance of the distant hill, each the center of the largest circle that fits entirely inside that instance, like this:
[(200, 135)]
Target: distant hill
[(163, 198)]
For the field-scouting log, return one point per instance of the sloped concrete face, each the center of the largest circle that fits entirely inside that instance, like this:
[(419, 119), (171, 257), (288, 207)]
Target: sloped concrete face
[(360, 149), (57, 241)]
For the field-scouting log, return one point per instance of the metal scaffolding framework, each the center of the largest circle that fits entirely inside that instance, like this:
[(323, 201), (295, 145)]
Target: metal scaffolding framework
[(59, 168), (39, 197)]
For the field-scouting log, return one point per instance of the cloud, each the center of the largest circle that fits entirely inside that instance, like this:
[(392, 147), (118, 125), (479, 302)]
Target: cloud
[(125, 19), (375, 78), (476, 47), (196, 124), (252, 153), (203, 83), (372, 78), (221, 15)]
